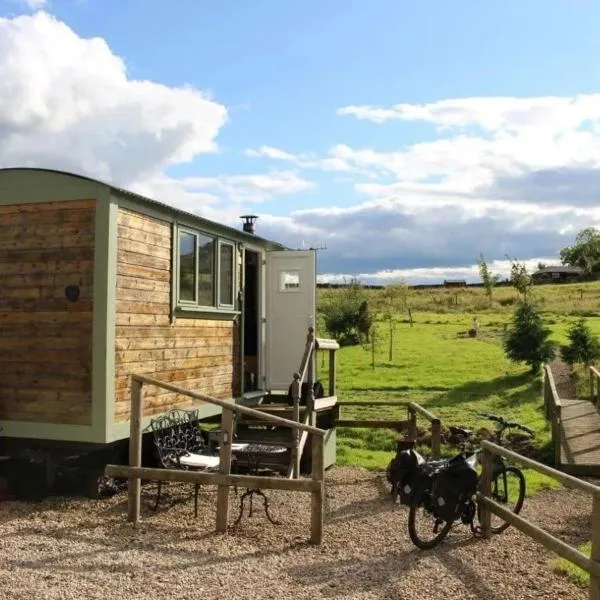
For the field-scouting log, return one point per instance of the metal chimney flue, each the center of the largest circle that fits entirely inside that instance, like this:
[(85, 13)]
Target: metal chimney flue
[(249, 221)]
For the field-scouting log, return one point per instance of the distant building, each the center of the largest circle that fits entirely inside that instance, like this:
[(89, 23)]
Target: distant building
[(558, 273), (455, 283)]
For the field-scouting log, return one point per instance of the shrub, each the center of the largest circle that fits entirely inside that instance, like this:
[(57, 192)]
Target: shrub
[(583, 347), (527, 340), (347, 316)]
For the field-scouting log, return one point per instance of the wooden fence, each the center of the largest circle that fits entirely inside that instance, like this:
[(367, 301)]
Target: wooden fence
[(488, 506), (224, 479), (553, 411), (409, 425)]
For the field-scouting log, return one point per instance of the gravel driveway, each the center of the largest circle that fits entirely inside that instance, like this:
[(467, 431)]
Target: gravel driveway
[(83, 549)]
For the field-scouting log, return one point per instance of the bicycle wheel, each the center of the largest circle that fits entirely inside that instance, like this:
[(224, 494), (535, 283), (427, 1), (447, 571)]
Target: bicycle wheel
[(425, 529), (508, 489)]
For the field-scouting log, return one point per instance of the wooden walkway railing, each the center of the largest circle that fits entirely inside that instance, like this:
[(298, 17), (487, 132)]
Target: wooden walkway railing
[(594, 385), (575, 425), (488, 506), (224, 479), (307, 372)]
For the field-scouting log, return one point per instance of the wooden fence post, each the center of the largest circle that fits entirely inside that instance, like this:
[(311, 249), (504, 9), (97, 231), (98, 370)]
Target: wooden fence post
[(332, 372), (317, 499), (547, 394), (436, 431), (556, 424), (595, 552), (412, 424), (225, 468), (592, 398), (296, 432), (485, 515), (135, 448)]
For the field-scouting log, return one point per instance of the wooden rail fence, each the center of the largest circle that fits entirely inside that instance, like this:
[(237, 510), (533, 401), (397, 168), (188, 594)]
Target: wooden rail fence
[(488, 506), (409, 425), (224, 479)]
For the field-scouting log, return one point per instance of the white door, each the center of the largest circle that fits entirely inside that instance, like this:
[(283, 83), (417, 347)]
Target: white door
[(290, 310)]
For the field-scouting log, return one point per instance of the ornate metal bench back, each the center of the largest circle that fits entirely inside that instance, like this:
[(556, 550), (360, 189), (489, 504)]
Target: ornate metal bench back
[(175, 434)]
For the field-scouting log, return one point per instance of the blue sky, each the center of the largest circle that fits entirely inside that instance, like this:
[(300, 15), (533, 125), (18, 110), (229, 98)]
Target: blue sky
[(283, 73)]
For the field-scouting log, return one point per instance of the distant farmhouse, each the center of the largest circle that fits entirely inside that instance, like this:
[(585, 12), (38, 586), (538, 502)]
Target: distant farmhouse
[(558, 273)]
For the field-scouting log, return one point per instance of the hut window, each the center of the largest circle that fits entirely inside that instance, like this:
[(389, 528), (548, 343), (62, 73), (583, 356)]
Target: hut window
[(206, 270), (226, 274), (187, 267)]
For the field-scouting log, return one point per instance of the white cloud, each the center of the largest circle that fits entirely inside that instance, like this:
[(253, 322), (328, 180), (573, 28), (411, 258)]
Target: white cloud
[(433, 275), (68, 102), (35, 4)]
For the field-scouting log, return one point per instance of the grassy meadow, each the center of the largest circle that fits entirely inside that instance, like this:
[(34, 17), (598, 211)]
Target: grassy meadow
[(437, 365)]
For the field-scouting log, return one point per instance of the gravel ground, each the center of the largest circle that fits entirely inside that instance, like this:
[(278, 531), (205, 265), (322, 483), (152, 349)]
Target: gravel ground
[(84, 549)]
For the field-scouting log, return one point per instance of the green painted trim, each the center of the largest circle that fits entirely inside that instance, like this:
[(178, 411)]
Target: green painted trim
[(204, 313), (103, 337), (120, 431), (47, 431)]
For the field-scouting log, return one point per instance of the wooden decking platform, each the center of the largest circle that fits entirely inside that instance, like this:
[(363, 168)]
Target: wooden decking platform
[(580, 429)]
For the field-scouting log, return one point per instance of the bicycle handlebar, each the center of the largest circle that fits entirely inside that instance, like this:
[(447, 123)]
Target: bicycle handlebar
[(507, 424)]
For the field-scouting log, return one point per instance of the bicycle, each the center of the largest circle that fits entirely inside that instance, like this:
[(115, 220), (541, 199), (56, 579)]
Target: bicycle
[(447, 488)]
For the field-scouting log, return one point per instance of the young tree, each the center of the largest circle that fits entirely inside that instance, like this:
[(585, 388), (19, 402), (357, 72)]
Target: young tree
[(520, 278), (489, 279), (527, 340), (583, 347)]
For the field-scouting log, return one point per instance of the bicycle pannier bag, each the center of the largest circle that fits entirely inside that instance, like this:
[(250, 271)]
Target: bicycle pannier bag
[(454, 483), (403, 473)]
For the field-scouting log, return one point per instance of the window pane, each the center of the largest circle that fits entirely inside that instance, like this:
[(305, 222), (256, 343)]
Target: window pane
[(226, 275), (289, 280), (206, 261), (187, 267)]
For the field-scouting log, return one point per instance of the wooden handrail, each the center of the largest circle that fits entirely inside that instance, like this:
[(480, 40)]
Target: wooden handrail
[(555, 395), (244, 410), (488, 506), (423, 412)]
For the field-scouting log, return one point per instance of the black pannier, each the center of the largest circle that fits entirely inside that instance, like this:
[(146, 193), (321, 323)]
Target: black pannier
[(403, 473), (455, 482)]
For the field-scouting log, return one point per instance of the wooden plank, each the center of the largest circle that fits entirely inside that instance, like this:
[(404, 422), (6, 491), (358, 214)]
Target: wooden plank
[(43, 207), (225, 469), (133, 220), (135, 449), (143, 260), (436, 439), (595, 550), (372, 424), (417, 408), (486, 491), (294, 469), (247, 481), (144, 273), (367, 404), (151, 238), (160, 252), (317, 501), (326, 344)]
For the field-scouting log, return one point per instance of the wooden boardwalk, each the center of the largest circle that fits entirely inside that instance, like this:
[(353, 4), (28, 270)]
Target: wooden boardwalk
[(580, 434)]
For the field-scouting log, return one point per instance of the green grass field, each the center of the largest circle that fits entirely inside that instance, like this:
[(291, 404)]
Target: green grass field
[(451, 375)]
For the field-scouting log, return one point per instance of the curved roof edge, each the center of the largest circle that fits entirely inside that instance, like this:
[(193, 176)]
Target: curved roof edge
[(154, 203)]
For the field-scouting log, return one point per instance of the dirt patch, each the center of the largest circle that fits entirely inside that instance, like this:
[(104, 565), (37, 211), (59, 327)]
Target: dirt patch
[(62, 549)]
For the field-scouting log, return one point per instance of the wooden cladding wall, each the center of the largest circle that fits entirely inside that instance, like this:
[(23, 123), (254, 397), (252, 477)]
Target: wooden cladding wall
[(198, 354), (45, 339)]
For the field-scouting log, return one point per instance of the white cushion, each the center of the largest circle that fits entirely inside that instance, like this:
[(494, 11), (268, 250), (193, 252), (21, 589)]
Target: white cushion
[(199, 461)]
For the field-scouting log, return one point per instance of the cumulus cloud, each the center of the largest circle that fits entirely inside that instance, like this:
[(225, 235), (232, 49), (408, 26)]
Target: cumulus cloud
[(67, 102)]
